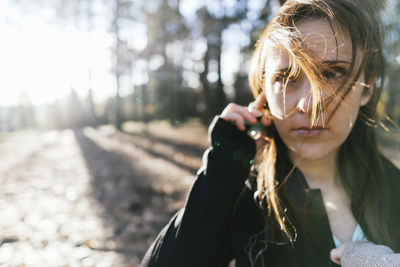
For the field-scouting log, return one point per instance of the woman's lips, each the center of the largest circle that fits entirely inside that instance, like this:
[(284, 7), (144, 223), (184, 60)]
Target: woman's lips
[(309, 131)]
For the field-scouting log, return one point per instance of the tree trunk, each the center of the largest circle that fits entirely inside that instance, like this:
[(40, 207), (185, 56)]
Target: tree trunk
[(206, 94), (220, 95), (118, 119)]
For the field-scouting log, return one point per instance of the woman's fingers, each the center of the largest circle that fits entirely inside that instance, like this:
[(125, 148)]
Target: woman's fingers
[(256, 108), (247, 115), (260, 101), (252, 108), (242, 116), (236, 113), (335, 257), (236, 118), (336, 254), (265, 121)]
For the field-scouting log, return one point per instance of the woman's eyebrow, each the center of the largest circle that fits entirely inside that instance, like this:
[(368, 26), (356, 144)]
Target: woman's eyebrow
[(335, 62), (284, 70), (327, 62)]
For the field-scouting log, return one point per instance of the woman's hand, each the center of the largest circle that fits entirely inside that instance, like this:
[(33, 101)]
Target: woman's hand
[(237, 114), (336, 253)]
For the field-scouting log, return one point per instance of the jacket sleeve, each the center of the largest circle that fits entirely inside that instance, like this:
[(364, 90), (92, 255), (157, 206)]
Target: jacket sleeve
[(197, 234), (366, 254)]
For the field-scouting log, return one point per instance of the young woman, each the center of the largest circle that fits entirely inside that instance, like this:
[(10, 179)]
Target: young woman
[(314, 177)]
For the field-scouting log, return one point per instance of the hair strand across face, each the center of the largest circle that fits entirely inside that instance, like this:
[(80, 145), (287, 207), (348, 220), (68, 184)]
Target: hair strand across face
[(346, 17)]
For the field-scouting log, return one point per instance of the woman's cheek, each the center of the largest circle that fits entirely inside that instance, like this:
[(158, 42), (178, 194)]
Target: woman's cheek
[(277, 112), (275, 103)]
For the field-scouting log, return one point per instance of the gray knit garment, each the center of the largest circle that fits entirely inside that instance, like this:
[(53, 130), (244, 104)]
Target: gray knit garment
[(366, 254)]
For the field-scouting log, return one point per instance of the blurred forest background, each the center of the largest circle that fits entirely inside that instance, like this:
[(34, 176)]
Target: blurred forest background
[(155, 59), (104, 107)]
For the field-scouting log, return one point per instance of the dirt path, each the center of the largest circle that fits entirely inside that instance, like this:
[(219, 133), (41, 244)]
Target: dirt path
[(92, 197), (96, 197)]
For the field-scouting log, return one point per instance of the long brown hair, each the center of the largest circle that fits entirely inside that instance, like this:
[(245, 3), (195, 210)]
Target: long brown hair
[(359, 163)]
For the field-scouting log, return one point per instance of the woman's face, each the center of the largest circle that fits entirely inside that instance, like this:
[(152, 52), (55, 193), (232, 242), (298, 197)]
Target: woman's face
[(292, 109)]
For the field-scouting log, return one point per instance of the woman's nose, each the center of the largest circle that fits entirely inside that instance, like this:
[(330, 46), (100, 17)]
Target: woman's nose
[(303, 104), (306, 98)]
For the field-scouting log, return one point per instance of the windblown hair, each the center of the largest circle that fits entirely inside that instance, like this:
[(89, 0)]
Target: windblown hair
[(359, 163)]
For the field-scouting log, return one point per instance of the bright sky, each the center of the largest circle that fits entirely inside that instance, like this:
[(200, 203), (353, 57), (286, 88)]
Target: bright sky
[(45, 61)]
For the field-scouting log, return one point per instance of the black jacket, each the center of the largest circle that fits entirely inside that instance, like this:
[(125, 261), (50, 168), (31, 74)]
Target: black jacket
[(221, 221)]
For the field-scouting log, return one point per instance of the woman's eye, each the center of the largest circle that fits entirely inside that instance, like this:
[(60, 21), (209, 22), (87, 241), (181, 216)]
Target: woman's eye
[(331, 75), (335, 74), (283, 78), (281, 83), (279, 79)]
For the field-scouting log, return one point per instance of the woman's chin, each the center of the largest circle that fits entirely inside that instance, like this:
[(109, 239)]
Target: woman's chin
[(311, 153)]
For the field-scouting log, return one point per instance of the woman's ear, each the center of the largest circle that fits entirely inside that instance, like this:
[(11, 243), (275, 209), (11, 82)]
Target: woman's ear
[(368, 91)]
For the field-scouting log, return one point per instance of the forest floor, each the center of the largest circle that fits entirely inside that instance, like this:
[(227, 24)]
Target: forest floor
[(96, 197), (92, 197)]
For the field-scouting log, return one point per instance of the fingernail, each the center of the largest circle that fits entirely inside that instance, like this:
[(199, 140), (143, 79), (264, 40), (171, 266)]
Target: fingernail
[(256, 112)]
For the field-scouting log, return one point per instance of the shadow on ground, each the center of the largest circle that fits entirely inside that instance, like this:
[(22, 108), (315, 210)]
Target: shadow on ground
[(167, 149), (131, 207)]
